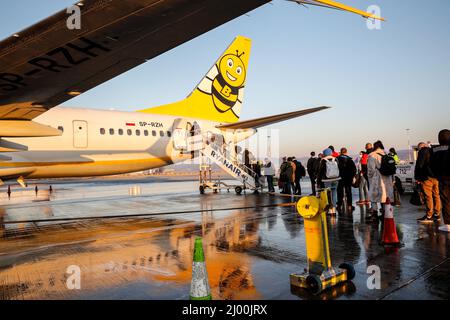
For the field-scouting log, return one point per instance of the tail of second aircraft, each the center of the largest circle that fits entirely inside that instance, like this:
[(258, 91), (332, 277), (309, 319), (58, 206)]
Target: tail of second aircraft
[(219, 95)]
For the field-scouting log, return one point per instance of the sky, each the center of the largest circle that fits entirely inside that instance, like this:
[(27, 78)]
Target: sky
[(378, 82)]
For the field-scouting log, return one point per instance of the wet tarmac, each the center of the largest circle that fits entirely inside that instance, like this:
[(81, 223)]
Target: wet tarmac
[(250, 252)]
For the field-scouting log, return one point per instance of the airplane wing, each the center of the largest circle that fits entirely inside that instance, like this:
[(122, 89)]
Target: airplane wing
[(265, 121), (48, 64), (339, 6)]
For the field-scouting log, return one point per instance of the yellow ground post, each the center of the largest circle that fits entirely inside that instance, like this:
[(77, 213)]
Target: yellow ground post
[(320, 273)]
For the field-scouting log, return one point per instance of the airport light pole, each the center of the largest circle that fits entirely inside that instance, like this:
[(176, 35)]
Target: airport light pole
[(409, 144)]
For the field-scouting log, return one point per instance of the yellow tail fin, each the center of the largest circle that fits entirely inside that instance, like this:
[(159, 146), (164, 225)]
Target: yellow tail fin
[(218, 96)]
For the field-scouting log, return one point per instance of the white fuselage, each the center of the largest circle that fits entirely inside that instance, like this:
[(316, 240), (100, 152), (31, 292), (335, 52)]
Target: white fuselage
[(100, 142)]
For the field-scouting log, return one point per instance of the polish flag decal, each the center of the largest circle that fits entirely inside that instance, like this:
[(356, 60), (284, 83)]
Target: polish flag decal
[(131, 124)]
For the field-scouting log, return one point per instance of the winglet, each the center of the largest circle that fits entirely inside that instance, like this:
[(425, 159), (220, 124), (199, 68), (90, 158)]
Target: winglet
[(340, 6)]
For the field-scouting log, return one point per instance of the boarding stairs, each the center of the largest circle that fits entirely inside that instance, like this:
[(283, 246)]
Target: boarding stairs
[(211, 151)]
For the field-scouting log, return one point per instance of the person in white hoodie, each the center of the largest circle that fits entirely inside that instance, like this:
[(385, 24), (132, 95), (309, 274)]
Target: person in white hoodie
[(268, 170), (381, 186)]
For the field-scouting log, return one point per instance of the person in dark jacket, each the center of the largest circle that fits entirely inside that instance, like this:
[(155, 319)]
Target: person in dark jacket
[(347, 171), (247, 159), (364, 161), (311, 167), (282, 180), (440, 165), (429, 185), (289, 174), (300, 172)]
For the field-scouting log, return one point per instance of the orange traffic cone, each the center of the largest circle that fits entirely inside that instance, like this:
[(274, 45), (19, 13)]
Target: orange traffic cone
[(390, 237)]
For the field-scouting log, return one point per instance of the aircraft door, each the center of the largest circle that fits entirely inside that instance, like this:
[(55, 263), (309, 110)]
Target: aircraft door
[(80, 134), (181, 131)]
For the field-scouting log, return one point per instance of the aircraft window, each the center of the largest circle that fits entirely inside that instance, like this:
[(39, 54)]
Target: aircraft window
[(169, 134), (138, 132), (161, 133), (121, 132), (61, 128), (154, 133), (111, 131), (146, 133), (129, 132), (102, 131)]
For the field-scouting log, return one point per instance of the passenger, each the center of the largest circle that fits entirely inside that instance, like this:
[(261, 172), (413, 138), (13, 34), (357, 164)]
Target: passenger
[(397, 200), (311, 167), (347, 172), (364, 184), (380, 185), (440, 165), (248, 158), (300, 172), (369, 149), (282, 179), (268, 171), (290, 174), (328, 176), (334, 153), (256, 167), (317, 167), (428, 184), (394, 155)]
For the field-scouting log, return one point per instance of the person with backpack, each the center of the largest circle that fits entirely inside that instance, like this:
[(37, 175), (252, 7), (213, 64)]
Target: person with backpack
[(300, 172), (290, 174), (440, 165), (380, 169), (347, 171), (328, 176)]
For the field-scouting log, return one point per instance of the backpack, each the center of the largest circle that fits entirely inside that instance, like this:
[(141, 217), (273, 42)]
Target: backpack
[(347, 168), (300, 170), (332, 169), (364, 159), (283, 175), (388, 166)]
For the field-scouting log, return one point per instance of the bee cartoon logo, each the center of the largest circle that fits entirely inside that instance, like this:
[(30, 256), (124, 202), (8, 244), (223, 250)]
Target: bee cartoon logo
[(225, 83)]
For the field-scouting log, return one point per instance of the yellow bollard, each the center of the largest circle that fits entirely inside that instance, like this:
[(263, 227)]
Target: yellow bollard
[(320, 273)]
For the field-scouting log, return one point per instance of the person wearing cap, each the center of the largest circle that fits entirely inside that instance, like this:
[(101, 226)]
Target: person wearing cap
[(333, 152), (428, 183), (328, 176)]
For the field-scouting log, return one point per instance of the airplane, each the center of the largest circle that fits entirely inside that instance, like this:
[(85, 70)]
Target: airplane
[(47, 64)]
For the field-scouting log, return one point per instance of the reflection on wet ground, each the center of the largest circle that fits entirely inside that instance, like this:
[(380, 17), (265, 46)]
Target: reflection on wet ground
[(249, 252)]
